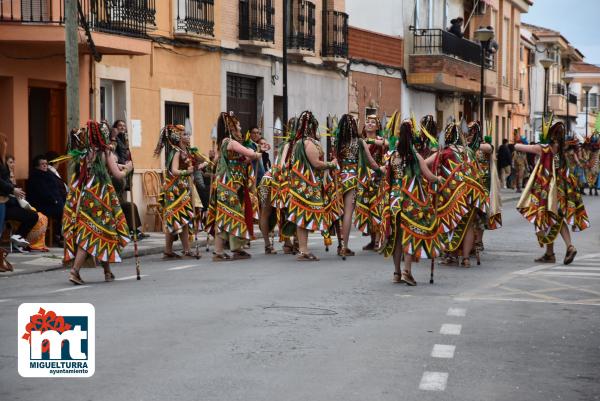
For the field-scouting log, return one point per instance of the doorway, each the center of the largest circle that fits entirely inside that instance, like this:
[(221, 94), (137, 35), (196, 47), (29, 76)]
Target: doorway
[(47, 121)]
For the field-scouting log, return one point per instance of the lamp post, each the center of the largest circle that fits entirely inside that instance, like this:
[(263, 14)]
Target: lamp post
[(484, 36), (568, 81), (546, 63), (586, 89)]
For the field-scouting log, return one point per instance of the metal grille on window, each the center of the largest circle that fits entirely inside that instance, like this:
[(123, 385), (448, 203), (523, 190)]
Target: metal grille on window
[(176, 113)]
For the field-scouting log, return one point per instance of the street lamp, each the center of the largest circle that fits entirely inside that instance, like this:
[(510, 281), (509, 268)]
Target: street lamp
[(586, 89), (568, 81), (546, 63), (484, 36)]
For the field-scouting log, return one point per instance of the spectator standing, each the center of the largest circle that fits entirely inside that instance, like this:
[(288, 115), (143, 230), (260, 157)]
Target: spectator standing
[(504, 162), (456, 27), (6, 189)]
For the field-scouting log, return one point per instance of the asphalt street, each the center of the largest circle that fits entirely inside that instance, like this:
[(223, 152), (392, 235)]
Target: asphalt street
[(271, 328)]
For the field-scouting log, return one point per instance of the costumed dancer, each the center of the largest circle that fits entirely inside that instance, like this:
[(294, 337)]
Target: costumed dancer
[(307, 204), (93, 221), (176, 196), (367, 213), (409, 224), (273, 192), (574, 160), (423, 143), (484, 167), (461, 197), (520, 164), (233, 205), (355, 176), (551, 200), (592, 144)]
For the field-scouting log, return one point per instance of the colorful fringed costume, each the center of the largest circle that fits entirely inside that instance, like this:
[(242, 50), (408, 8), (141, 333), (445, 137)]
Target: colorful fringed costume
[(176, 198), (233, 206), (551, 198), (92, 218), (462, 196), (407, 210), (592, 167)]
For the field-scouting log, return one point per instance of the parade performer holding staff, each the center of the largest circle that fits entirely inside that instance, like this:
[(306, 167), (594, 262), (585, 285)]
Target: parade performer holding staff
[(355, 160), (93, 221), (551, 200), (409, 224), (176, 197), (367, 213), (423, 142), (231, 212), (307, 203), (461, 197), (485, 168), (273, 192)]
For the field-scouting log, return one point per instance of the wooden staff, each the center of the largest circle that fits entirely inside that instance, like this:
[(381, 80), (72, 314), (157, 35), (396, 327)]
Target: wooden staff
[(191, 185), (132, 212)]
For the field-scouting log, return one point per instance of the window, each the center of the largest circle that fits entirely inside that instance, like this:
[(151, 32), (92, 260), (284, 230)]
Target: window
[(113, 104), (176, 113)]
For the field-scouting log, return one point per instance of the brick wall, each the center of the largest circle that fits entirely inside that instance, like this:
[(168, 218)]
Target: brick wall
[(370, 90), (372, 46), (444, 64)]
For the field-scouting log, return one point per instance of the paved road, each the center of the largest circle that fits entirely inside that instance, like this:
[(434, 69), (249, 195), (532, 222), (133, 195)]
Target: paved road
[(273, 329)]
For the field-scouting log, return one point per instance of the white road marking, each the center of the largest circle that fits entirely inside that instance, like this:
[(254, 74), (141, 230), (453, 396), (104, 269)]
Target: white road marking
[(443, 351), (450, 329), (4, 300), (541, 301), (568, 274), (572, 268), (584, 259), (130, 277), (434, 381), (460, 312), (182, 267), (533, 269), (77, 287)]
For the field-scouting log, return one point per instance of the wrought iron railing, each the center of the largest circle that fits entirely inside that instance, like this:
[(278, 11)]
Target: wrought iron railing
[(302, 30), (196, 16), (438, 41), (122, 17), (335, 34), (257, 20)]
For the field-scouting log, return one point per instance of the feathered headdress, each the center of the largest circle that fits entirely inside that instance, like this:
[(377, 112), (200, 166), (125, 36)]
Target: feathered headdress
[(392, 129), (546, 124)]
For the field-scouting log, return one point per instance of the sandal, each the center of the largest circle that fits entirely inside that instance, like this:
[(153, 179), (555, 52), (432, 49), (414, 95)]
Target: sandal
[(407, 278), (240, 255), (109, 276), (270, 250), (306, 257), (75, 278), (171, 255), (449, 260), (571, 252), (547, 258), (397, 278), (345, 252), (191, 255), (287, 250), (369, 247), (466, 262), (221, 257)]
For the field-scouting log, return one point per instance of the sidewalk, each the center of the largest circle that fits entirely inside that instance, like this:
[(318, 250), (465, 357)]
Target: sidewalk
[(35, 262)]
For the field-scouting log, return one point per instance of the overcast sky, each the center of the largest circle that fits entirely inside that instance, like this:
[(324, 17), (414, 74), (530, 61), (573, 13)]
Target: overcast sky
[(577, 20)]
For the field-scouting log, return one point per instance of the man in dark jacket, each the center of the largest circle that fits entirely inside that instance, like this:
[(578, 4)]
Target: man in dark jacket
[(44, 190), (504, 161)]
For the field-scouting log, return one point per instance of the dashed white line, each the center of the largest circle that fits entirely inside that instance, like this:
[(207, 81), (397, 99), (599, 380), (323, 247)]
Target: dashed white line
[(567, 274), (450, 329), (434, 381), (459, 312), (182, 267), (77, 287), (572, 268), (130, 277), (3, 300), (443, 351)]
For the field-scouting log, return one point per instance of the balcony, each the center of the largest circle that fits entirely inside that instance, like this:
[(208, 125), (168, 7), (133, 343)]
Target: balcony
[(257, 23), (42, 22), (558, 101), (445, 62), (195, 19), (301, 40), (335, 37)]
